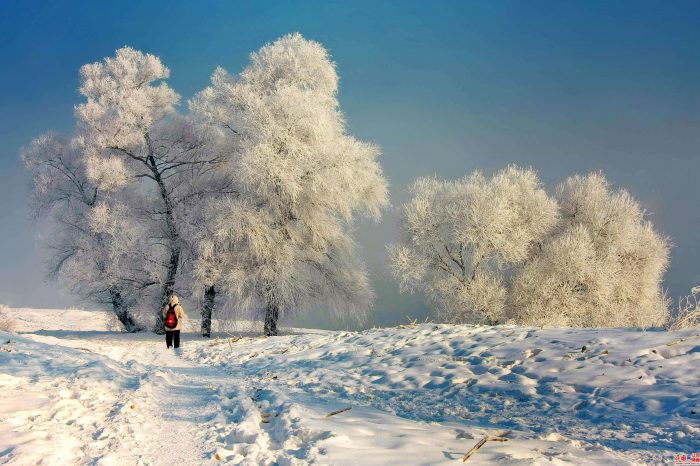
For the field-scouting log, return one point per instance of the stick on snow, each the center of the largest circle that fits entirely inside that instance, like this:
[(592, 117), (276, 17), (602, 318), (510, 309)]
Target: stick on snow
[(480, 444), (338, 411)]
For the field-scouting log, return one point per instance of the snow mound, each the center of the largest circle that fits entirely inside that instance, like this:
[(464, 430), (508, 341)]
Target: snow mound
[(627, 391), (32, 320)]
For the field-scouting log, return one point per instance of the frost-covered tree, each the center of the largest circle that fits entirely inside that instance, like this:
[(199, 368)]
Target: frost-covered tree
[(603, 266), (196, 188), (7, 323), (281, 242), (460, 240), (132, 139), (96, 247), (687, 314)]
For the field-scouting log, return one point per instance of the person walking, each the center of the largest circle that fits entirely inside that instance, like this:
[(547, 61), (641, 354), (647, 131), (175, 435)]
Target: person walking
[(174, 316)]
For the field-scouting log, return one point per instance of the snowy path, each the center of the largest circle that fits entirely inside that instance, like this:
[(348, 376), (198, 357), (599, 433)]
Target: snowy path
[(163, 411), (423, 395), (124, 402)]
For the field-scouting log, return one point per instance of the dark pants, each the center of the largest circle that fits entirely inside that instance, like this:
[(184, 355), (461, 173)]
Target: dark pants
[(169, 338)]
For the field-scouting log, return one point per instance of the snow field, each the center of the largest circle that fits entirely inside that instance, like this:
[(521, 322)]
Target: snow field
[(622, 391), (421, 395)]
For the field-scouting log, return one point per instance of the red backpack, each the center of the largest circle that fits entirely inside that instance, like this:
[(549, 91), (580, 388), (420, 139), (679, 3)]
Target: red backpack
[(170, 317)]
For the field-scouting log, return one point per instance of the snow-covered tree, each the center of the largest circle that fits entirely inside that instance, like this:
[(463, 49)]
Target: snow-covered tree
[(281, 242), (7, 323), (603, 267), (460, 240), (97, 247), (132, 139), (196, 188), (687, 314)]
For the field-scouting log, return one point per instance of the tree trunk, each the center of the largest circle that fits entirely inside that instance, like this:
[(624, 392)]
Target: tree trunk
[(209, 297), (174, 239), (272, 313), (122, 312), (168, 286)]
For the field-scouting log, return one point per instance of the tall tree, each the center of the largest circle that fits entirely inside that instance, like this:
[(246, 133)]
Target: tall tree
[(196, 188), (131, 136), (281, 242)]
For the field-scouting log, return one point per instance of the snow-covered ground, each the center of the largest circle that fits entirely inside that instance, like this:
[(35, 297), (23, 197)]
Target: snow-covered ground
[(73, 391)]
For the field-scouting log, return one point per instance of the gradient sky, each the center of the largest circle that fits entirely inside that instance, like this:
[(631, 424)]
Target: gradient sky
[(444, 88)]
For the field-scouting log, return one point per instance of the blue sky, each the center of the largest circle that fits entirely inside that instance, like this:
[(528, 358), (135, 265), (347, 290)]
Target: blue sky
[(443, 87)]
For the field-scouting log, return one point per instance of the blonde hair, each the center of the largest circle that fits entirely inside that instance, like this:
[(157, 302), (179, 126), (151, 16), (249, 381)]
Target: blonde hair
[(174, 300)]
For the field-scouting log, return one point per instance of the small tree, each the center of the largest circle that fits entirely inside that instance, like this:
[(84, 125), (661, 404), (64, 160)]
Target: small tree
[(460, 239), (7, 323), (688, 312), (281, 243), (603, 266)]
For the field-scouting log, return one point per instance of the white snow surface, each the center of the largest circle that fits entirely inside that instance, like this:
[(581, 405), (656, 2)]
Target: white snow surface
[(74, 391)]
